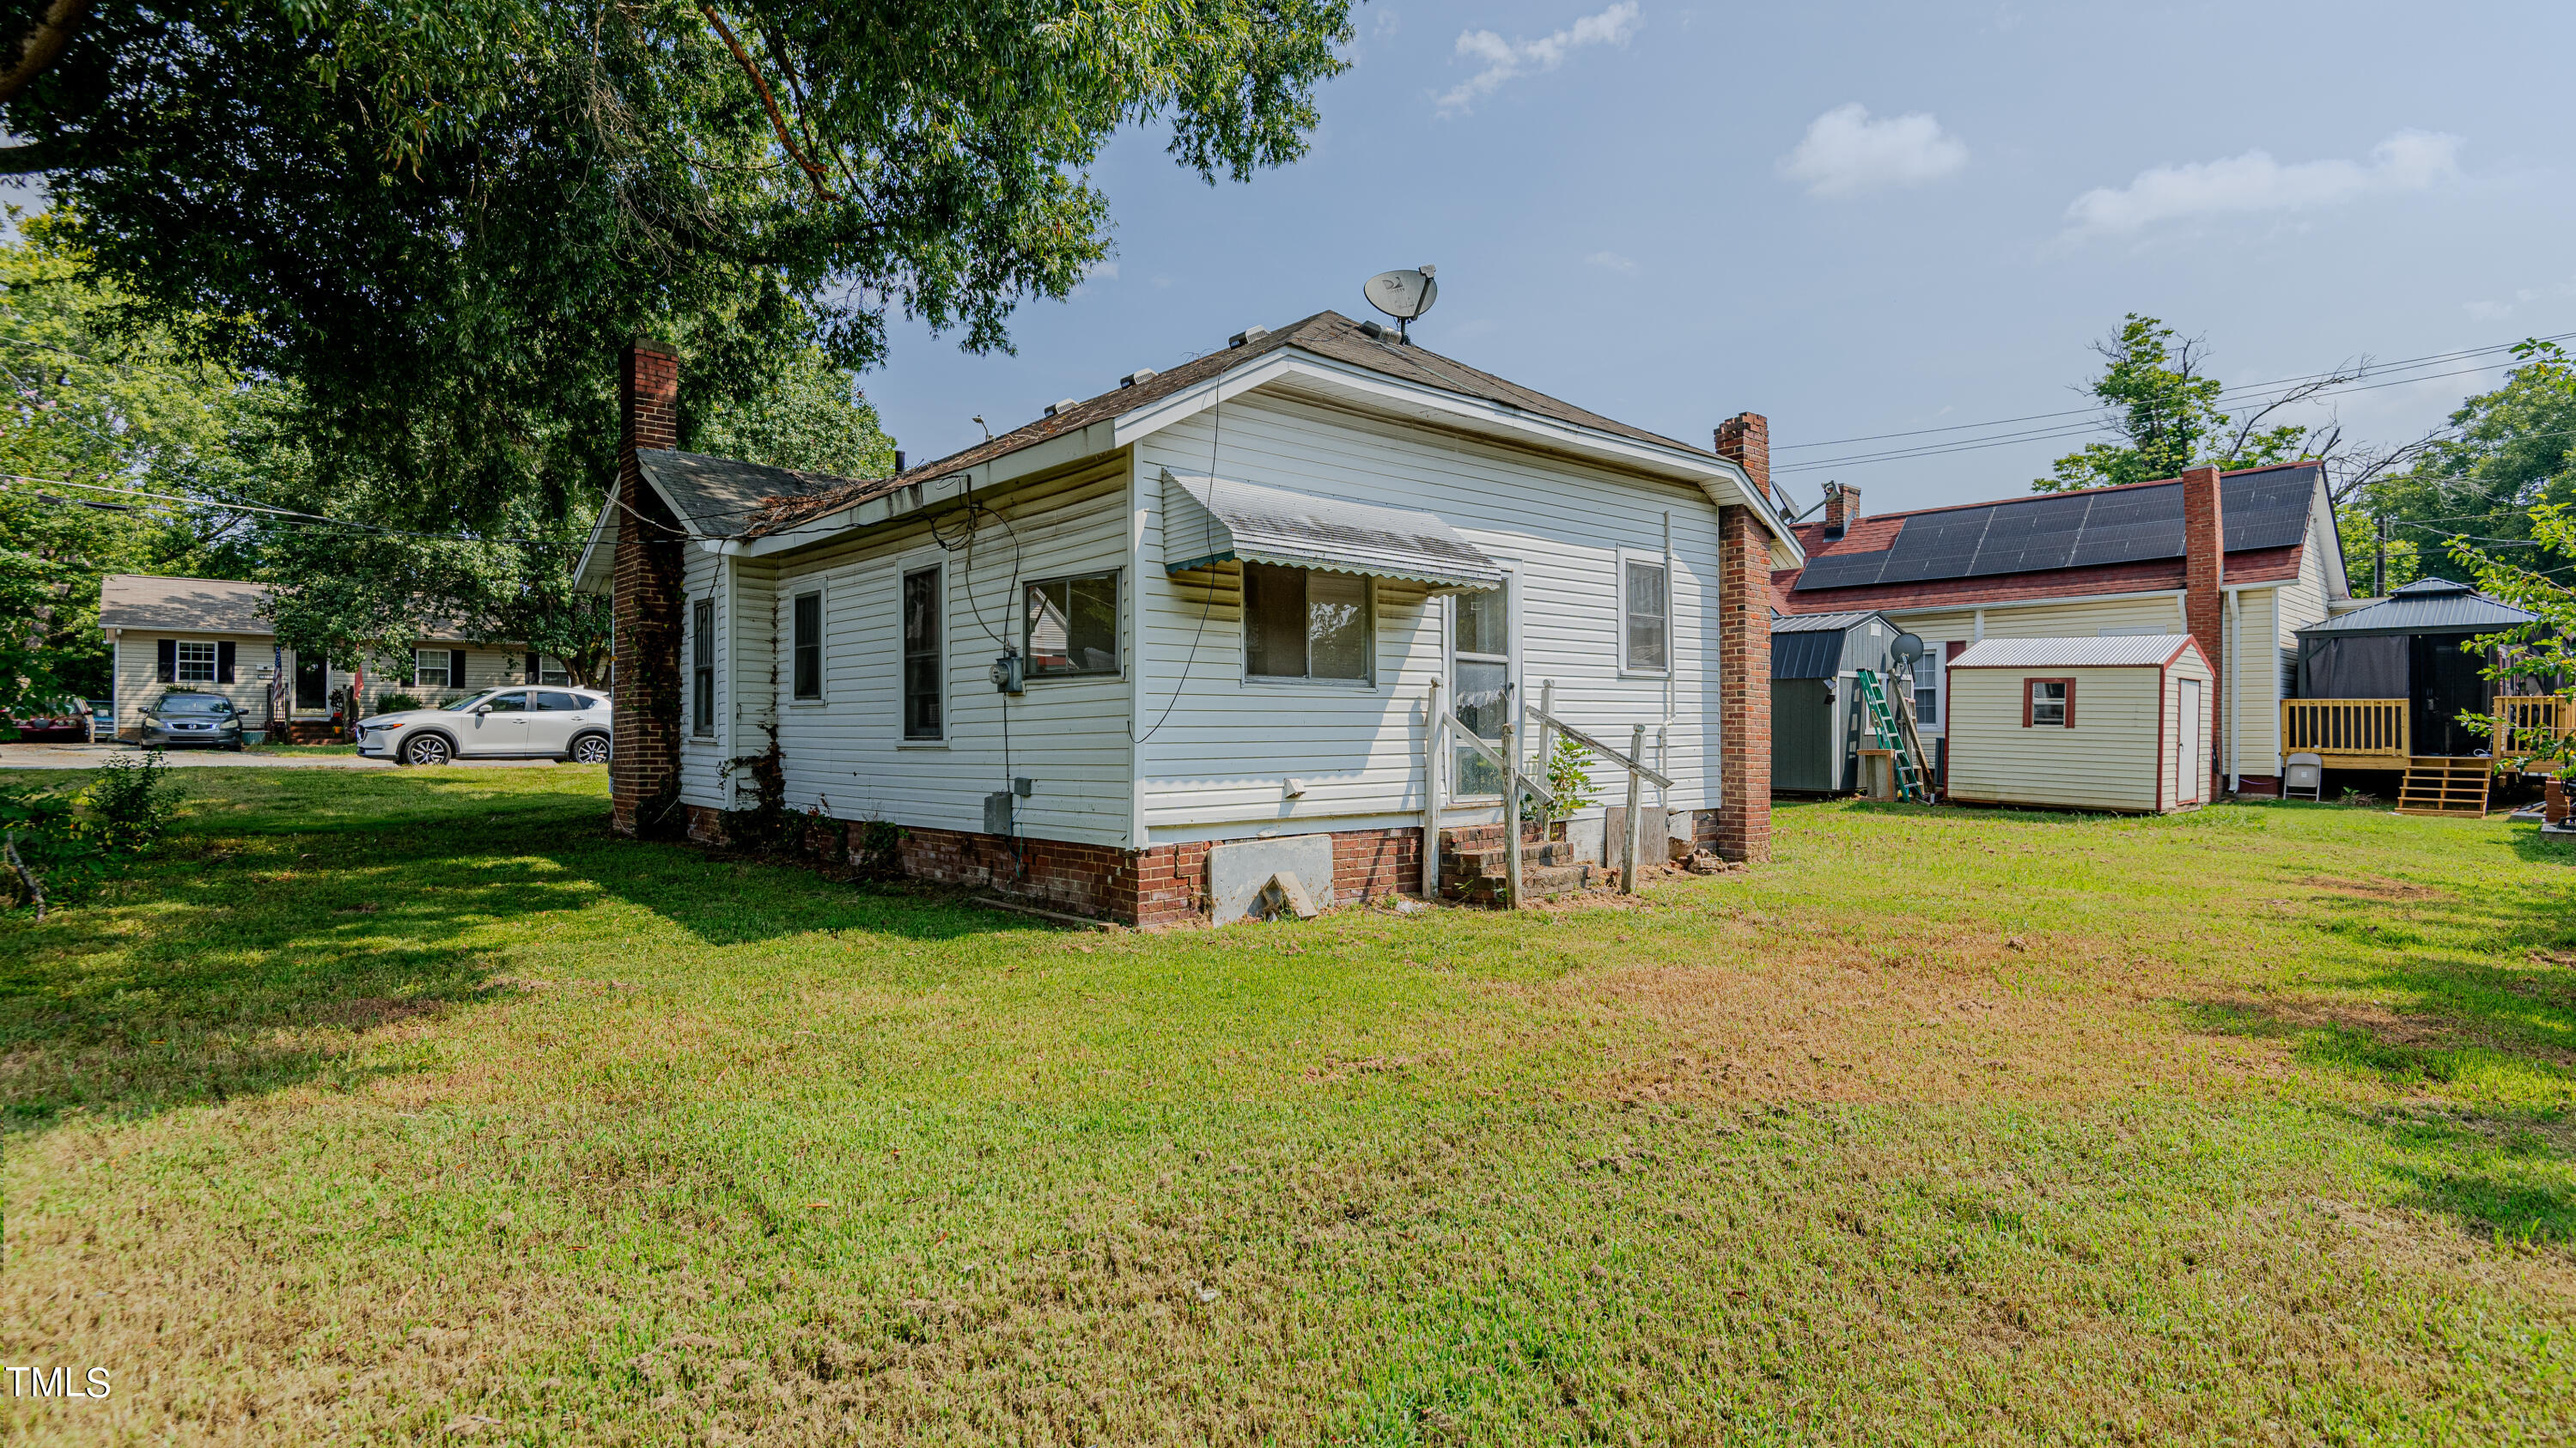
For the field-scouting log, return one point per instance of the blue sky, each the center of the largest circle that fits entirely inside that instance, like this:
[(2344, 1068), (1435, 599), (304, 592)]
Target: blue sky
[(1857, 219)]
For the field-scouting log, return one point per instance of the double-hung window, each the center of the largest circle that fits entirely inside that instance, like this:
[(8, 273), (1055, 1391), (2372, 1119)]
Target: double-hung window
[(1481, 674), (1069, 626), (808, 642), (1645, 608), (1299, 623), (921, 671), (1927, 687), (196, 663), (702, 668), (2050, 704)]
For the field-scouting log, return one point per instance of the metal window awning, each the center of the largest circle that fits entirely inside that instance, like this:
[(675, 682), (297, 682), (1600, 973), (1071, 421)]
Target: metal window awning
[(1219, 520)]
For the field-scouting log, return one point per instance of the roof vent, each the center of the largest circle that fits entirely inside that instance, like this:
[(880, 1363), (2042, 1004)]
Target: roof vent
[(1248, 334), (1373, 330), (1141, 374), (1055, 407)]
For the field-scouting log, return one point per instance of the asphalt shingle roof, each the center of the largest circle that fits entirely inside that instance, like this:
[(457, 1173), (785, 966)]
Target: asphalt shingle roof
[(188, 605)]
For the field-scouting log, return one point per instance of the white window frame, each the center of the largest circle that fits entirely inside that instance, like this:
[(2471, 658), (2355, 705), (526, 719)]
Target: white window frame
[(935, 562), (819, 588), (1029, 675), (1510, 659), (1934, 651), (702, 632), (179, 662), (1243, 654), (446, 669), (557, 677), (1655, 559)]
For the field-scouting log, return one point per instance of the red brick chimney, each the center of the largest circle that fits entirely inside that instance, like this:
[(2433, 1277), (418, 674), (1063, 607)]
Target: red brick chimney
[(1842, 508), (1746, 439), (1743, 679), (2204, 573), (644, 775)]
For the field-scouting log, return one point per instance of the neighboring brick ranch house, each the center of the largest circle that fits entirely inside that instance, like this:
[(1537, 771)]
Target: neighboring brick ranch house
[(2140, 559), (213, 635), (1231, 590)]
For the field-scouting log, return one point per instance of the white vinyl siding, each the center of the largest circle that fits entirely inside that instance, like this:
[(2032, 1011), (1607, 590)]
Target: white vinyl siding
[(1215, 765), (2113, 758), (1068, 735)]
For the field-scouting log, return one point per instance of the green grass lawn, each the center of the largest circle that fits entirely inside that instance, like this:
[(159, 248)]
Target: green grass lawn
[(414, 1107)]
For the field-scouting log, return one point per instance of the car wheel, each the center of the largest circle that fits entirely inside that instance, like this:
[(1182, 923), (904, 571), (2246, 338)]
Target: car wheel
[(590, 749), (425, 749)]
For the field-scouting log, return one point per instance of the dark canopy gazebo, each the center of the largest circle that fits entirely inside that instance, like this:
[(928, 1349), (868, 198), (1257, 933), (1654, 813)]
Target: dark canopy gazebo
[(2411, 646)]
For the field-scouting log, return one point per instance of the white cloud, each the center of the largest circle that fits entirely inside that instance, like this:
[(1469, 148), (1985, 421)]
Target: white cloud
[(1612, 261), (2406, 161), (1506, 59), (1846, 152), (2523, 296), (1099, 271)]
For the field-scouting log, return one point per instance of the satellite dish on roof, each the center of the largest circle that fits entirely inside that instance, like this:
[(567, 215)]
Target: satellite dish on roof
[(1403, 295), (1907, 648)]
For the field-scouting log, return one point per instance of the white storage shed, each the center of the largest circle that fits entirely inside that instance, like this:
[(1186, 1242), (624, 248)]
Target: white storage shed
[(2120, 723)]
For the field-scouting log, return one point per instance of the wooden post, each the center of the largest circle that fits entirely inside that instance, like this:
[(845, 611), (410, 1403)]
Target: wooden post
[(1636, 807), (1546, 741), (1431, 761), (1512, 810)]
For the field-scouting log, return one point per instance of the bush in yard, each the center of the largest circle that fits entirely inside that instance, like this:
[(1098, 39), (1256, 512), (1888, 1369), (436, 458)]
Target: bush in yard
[(396, 703), (57, 845)]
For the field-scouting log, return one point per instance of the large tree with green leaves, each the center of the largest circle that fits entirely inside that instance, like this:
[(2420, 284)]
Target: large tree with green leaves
[(97, 419), (2503, 455), (439, 219), (2168, 414)]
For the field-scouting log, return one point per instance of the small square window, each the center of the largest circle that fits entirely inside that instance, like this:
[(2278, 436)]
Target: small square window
[(196, 663), (1303, 624), (1069, 626), (2052, 703)]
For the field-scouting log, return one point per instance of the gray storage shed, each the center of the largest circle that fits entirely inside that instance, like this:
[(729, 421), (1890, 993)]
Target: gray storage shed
[(1818, 723)]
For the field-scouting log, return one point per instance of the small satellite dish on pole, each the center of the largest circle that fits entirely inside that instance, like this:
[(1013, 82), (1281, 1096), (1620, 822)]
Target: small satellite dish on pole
[(1907, 648), (1404, 295)]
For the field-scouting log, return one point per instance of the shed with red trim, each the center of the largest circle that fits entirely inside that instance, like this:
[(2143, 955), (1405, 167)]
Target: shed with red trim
[(2120, 723)]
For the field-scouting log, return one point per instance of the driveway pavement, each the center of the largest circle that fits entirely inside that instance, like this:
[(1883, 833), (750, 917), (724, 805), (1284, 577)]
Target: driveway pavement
[(91, 756)]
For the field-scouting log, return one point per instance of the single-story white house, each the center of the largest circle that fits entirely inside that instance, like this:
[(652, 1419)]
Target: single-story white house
[(213, 635), (1212, 604)]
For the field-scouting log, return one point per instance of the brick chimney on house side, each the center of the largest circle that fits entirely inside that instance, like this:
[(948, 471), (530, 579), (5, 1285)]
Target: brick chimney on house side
[(1745, 439), (1842, 508), (650, 594), (2204, 606)]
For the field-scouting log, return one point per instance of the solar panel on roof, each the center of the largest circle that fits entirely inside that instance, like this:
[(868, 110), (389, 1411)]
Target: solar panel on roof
[(1842, 570)]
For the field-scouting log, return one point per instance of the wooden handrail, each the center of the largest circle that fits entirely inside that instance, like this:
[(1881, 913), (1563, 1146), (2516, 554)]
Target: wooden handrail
[(2347, 728), (2532, 722)]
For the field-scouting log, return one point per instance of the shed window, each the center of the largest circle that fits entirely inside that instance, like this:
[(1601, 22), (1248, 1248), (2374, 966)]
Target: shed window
[(1481, 659), (702, 669), (809, 646), (196, 663), (1070, 625), (1299, 623), (2051, 704), (921, 673), (1647, 614)]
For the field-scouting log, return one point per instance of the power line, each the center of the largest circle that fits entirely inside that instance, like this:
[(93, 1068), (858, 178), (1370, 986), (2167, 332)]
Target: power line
[(285, 515), (2231, 396)]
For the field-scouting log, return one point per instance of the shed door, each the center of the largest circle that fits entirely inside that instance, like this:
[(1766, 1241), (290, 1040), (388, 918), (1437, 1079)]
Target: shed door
[(2191, 760)]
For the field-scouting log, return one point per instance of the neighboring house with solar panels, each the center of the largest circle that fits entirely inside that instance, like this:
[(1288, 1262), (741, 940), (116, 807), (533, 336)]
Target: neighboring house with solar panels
[(213, 635), (1203, 616), (2136, 560)]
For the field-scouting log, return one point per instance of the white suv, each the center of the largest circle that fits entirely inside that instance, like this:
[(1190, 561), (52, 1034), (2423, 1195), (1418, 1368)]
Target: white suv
[(518, 721)]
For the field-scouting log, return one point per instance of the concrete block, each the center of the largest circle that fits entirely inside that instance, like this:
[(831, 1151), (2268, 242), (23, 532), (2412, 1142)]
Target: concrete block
[(1239, 870), (1590, 836)]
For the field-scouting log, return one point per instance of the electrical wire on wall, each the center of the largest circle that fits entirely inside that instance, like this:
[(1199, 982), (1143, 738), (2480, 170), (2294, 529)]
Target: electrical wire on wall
[(955, 533)]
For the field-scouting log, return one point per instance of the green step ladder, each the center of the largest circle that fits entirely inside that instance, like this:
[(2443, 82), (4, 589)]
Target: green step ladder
[(1883, 727)]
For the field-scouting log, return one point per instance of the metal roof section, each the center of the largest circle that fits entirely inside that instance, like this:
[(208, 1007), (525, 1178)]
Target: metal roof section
[(2263, 508), (2115, 652), (1216, 520), (2428, 605), (183, 605), (1825, 622)]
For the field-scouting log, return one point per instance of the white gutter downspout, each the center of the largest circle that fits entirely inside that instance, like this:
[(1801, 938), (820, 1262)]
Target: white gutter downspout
[(2235, 677)]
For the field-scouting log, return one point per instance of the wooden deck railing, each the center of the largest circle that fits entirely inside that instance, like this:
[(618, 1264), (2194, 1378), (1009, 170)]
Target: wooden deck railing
[(2347, 733), (2533, 723)]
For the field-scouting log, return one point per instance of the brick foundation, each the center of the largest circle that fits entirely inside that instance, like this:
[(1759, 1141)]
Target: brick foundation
[(1159, 886)]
